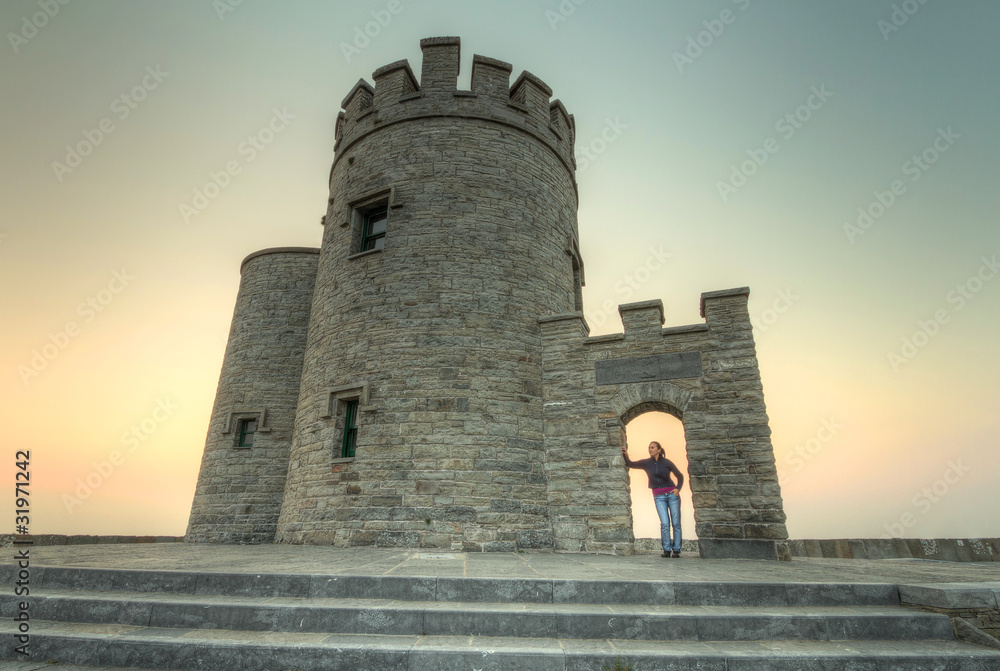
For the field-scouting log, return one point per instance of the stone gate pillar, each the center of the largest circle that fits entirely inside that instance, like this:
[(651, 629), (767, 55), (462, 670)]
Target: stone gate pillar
[(738, 506)]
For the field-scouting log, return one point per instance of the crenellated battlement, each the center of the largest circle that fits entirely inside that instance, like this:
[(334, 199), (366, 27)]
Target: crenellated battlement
[(397, 96), (491, 77), (441, 59)]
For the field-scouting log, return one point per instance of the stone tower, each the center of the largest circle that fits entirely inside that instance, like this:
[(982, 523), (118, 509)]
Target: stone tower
[(240, 488), (435, 332), (448, 395)]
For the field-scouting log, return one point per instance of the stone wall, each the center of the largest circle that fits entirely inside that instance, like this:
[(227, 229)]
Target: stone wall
[(986, 620), (939, 549), (704, 374), (973, 607), (44, 540), (239, 491)]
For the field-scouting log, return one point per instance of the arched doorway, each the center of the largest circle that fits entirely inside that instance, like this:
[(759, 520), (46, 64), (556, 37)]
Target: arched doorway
[(664, 428)]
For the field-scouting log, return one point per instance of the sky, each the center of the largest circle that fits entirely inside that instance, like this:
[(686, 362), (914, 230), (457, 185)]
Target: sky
[(839, 158)]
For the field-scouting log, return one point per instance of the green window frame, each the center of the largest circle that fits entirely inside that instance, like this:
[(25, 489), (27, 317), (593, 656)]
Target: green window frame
[(373, 229), (248, 427), (349, 441)]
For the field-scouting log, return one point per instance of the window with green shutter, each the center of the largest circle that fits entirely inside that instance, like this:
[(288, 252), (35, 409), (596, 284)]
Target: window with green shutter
[(350, 437), (247, 428)]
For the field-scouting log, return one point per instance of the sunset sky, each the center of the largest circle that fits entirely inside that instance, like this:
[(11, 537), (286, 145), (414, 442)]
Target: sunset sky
[(839, 158)]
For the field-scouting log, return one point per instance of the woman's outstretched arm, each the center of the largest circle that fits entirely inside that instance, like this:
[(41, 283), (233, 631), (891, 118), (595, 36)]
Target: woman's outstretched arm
[(628, 462)]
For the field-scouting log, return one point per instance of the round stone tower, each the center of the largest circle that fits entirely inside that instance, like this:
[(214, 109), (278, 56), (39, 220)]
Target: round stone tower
[(450, 230), (242, 476)]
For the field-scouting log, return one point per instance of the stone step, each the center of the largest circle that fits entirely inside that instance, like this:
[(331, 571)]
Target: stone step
[(576, 621), (466, 589), (216, 650)]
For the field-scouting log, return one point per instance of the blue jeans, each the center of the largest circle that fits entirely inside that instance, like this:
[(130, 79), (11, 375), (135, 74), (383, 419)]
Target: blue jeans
[(668, 507)]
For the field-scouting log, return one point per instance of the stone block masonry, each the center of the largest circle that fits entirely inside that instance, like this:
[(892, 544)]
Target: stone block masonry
[(704, 374), (445, 393), (974, 608), (240, 488)]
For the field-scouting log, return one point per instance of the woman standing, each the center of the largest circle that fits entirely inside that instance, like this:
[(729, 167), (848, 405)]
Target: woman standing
[(665, 494)]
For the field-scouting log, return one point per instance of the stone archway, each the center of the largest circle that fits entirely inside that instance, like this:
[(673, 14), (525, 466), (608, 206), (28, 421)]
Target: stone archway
[(668, 431), (704, 374), (634, 400), (726, 526)]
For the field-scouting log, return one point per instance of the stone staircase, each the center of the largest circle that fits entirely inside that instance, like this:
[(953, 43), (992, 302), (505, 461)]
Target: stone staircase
[(278, 622)]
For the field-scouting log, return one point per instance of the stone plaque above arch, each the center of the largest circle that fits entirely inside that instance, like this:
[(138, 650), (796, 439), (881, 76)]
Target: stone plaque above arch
[(670, 366)]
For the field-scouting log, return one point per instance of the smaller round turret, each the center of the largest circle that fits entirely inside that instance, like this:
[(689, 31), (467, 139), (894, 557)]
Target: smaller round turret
[(242, 477)]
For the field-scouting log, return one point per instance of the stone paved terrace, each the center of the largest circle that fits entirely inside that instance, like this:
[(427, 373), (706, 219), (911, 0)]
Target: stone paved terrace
[(298, 559), (816, 613)]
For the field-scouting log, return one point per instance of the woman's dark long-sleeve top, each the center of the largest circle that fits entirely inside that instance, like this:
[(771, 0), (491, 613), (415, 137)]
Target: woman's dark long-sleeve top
[(658, 471)]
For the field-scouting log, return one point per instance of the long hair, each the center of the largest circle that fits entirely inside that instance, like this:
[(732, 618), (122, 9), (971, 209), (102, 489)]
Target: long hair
[(663, 454)]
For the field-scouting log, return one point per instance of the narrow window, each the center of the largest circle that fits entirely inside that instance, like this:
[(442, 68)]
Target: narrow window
[(247, 428), (577, 287), (373, 232), (350, 439)]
